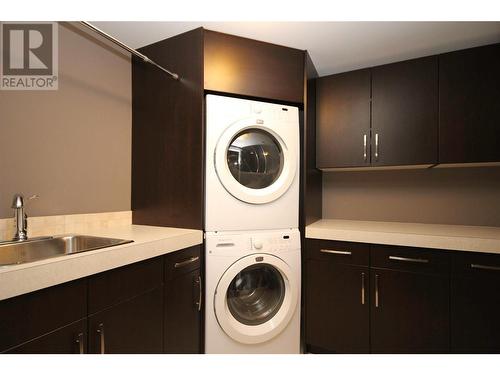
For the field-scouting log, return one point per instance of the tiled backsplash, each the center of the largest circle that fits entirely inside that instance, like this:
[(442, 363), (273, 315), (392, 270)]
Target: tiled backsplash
[(65, 224)]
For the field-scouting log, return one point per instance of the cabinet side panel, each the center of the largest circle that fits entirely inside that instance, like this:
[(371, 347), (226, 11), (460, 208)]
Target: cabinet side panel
[(167, 134)]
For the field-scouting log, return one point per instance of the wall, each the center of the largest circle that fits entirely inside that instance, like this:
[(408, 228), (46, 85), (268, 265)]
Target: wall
[(467, 196), (72, 147)]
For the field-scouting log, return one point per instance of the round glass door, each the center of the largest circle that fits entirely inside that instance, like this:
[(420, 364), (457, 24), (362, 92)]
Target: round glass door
[(256, 294), (253, 162), (256, 298), (255, 158)]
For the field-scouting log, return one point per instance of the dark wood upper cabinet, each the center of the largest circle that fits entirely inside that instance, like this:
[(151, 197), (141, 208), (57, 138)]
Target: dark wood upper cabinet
[(343, 120), (469, 103), (405, 113), (475, 303), (249, 67)]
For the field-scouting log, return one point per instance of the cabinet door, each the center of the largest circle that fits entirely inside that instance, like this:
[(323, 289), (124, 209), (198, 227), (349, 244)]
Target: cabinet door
[(337, 308), (134, 326), (409, 313), (475, 304), (469, 106), (183, 313), (343, 120), (71, 339), (405, 113), (252, 68)]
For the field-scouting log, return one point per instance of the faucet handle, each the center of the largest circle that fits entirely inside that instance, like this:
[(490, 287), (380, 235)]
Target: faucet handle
[(34, 196), (17, 201)]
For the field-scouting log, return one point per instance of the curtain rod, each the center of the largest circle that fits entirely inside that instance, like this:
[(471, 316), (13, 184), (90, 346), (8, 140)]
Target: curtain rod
[(129, 49)]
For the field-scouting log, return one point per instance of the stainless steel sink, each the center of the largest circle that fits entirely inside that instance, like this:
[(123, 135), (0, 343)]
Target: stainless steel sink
[(33, 250)]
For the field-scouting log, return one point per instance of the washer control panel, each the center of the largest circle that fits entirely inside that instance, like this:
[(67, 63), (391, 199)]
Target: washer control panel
[(277, 241)]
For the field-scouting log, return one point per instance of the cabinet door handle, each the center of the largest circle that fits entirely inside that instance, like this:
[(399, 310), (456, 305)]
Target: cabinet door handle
[(484, 267), (200, 294), (362, 288), (376, 291), (338, 252), (376, 146), (186, 262), (411, 260), (365, 156), (102, 339), (79, 341)]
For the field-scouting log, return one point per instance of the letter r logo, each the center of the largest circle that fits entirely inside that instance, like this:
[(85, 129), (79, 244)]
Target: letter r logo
[(27, 49)]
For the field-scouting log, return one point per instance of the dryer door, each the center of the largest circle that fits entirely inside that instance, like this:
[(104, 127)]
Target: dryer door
[(253, 163), (256, 298)]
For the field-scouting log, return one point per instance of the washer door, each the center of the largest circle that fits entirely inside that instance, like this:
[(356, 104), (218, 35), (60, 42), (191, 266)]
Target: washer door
[(255, 298), (253, 163)]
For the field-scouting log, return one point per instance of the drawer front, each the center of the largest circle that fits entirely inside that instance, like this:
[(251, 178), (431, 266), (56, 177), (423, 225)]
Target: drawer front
[(338, 251), (476, 263), (111, 287), (31, 315), (409, 259), (182, 261)]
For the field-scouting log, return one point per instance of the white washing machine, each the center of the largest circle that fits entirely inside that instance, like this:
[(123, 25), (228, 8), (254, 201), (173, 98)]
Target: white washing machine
[(253, 292), (252, 165)]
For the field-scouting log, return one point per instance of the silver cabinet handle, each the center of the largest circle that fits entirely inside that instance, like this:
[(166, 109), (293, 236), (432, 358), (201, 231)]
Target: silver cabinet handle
[(335, 252), (79, 341), (376, 146), (365, 156), (102, 340), (200, 295), (186, 262), (376, 291), (483, 267), (362, 288), (411, 260)]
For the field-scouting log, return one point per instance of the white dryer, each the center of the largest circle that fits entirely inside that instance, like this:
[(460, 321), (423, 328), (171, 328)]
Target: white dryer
[(252, 165), (253, 292)]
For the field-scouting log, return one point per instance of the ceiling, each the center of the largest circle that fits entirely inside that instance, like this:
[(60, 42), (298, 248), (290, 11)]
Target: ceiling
[(334, 46)]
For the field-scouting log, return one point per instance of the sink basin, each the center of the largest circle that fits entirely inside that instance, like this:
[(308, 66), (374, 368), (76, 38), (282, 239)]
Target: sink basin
[(30, 251)]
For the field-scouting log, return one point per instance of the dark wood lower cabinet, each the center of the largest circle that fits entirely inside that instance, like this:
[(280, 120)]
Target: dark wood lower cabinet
[(183, 296), (134, 326), (410, 312), (475, 304), (71, 339), (337, 308)]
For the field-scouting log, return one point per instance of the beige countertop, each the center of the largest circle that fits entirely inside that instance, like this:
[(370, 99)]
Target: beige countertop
[(148, 242), (435, 236)]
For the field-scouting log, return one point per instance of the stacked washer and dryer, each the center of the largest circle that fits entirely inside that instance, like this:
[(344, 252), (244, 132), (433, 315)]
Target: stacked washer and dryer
[(252, 245)]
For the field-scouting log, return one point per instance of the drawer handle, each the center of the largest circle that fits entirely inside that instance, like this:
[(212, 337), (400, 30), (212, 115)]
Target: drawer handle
[(186, 262), (79, 341), (483, 267), (338, 252), (411, 260), (102, 340)]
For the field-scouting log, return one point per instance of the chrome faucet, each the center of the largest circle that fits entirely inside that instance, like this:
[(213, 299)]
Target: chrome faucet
[(20, 217)]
